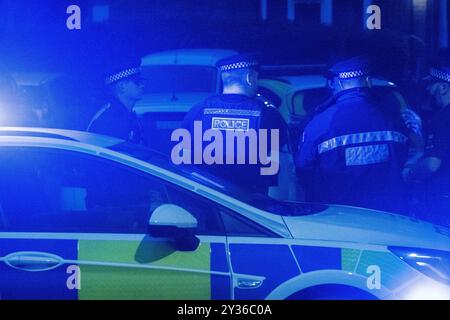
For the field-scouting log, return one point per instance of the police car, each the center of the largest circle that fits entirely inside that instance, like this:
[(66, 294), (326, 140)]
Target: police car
[(84, 216), (176, 80)]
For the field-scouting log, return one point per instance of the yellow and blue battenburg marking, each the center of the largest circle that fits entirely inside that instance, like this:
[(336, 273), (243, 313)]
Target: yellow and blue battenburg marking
[(118, 269), (149, 269), (277, 264)]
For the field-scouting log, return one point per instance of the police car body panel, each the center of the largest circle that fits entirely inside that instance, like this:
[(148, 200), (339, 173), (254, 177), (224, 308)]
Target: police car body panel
[(278, 256), (356, 225)]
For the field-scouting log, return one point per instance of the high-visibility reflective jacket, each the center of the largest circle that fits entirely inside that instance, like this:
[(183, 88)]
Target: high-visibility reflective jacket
[(353, 153)]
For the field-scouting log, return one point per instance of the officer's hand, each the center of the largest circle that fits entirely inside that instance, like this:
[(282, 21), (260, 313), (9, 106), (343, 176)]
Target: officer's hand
[(408, 174)]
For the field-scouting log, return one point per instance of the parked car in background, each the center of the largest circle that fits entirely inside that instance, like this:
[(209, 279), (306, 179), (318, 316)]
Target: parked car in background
[(175, 81)]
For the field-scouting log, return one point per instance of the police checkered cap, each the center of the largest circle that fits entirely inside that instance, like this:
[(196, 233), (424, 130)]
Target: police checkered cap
[(351, 68), (352, 74), (240, 61), (440, 73), (122, 75)]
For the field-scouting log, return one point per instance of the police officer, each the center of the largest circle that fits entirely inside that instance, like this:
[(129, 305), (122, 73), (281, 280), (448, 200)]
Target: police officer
[(434, 168), (117, 117), (238, 105), (352, 153)]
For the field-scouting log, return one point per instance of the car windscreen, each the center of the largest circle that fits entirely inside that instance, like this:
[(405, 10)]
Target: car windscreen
[(257, 200), (178, 79)]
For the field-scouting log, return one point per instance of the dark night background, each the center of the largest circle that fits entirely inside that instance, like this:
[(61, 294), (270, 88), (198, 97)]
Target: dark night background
[(34, 36)]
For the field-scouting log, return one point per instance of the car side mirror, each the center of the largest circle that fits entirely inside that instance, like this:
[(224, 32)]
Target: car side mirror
[(172, 221)]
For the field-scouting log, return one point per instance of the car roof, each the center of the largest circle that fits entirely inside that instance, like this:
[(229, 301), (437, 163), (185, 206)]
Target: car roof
[(72, 135), (312, 81), (205, 57)]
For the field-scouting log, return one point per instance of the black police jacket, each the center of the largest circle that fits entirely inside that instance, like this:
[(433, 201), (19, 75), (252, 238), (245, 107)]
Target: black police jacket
[(115, 120), (229, 112), (353, 153)]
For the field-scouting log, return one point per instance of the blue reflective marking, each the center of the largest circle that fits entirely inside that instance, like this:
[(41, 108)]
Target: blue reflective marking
[(317, 258), (274, 262), (220, 285)]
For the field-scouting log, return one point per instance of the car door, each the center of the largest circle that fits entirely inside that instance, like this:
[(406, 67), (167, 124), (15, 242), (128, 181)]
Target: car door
[(260, 259), (87, 218)]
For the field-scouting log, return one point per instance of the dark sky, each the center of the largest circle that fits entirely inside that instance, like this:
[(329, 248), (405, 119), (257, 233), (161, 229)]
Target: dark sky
[(33, 34)]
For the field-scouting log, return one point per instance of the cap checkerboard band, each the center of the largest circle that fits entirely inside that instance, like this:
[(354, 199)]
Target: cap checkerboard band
[(440, 74), (238, 65), (352, 74), (121, 75)]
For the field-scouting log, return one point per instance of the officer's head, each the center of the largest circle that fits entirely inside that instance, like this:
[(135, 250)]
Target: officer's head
[(349, 74), (125, 82), (132, 88), (239, 74), (437, 84)]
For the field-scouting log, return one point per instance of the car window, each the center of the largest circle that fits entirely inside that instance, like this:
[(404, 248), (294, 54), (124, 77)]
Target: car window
[(389, 98), (205, 211), (238, 226), (44, 190), (306, 101), (177, 78)]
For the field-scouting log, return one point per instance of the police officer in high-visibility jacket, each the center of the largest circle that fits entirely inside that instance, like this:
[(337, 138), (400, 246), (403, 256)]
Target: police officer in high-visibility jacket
[(353, 153), (237, 110)]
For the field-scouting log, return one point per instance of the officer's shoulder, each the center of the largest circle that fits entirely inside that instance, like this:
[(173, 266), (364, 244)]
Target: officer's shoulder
[(327, 113), (213, 99), (205, 103), (103, 111), (320, 120)]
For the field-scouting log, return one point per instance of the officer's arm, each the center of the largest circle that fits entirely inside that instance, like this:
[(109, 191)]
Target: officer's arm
[(191, 116), (413, 128), (439, 150), (307, 152), (305, 159), (276, 121), (107, 125), (429, 165)]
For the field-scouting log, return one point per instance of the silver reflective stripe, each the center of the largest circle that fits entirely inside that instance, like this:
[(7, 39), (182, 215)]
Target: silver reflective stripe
[(364, 155), (364, 137), (232, 112)]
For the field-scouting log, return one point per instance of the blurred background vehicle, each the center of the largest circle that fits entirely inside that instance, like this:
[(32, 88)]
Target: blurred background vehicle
[(175, 81)]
